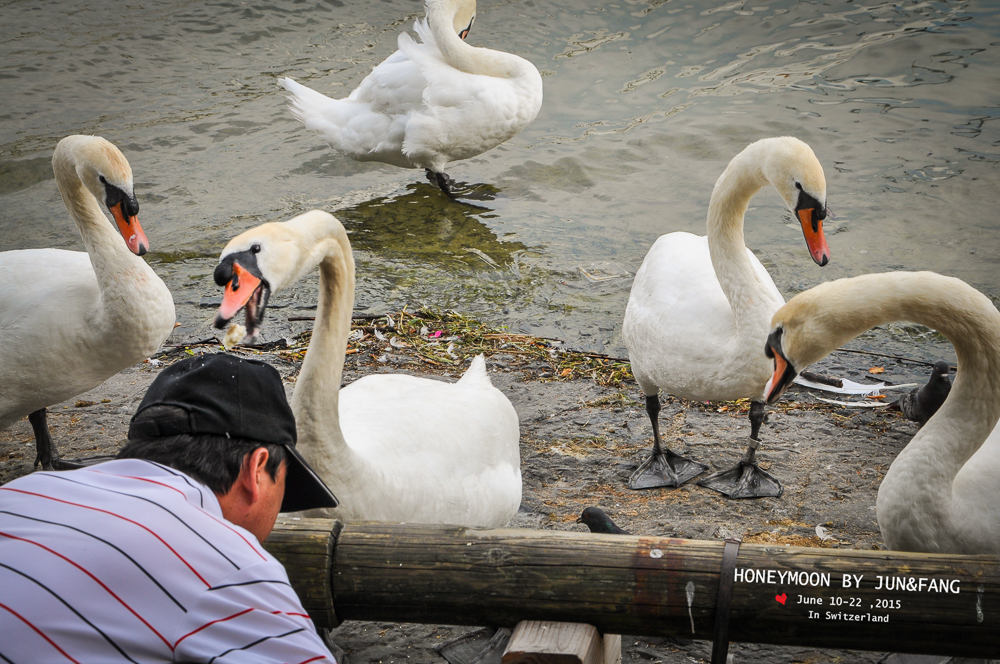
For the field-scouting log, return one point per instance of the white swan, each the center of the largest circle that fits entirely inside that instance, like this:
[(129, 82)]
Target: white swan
[(428, 103), (70, 320), (700, 307), (942, 493), (391, 447)]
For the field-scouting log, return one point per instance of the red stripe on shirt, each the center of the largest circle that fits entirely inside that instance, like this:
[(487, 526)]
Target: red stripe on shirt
[(39, 632), (314, 659), (117, 516), (286, 613), (141, 479), (96, 580), (208, 624)]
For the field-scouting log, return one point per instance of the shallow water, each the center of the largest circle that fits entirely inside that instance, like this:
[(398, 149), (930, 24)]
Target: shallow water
[(645, 103)]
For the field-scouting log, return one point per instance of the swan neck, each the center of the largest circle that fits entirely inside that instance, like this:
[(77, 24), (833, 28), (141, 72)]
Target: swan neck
[(730, 199), (109, 255), (465, 57), (971, 323), (316, 399)]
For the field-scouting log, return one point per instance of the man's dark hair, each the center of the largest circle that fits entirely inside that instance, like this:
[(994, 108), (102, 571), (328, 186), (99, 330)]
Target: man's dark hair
[(213, 460)]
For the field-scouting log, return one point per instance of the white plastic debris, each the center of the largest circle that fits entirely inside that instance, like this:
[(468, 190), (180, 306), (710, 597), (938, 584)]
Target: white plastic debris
[(850, 387), (823, 533)]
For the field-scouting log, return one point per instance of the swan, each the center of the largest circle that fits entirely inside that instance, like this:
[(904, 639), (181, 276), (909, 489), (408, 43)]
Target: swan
[(428, 103), (69, 320), (700, 307), (392, 447), (942, 492)]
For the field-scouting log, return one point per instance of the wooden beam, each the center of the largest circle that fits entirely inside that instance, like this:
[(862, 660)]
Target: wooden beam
[(652, 586), (544, 642)]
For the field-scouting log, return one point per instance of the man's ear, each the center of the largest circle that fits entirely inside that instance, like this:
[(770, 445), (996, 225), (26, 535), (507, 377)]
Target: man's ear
[(253, 471)]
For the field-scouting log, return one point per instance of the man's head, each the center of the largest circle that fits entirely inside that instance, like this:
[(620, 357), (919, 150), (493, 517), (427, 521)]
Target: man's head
[(225, 421)]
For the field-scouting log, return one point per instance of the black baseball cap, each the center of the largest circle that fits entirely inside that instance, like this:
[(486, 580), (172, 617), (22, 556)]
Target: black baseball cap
[(234, 397)]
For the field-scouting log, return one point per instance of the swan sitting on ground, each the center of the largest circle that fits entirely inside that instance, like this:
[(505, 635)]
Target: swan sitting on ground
[(942, 493), (428, 103), (392, 447), (69, 320), (700, 307)]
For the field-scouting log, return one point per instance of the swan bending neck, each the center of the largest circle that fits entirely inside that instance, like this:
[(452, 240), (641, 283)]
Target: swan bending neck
[(730, 199), (843, 309), (109, 255), (465, 57), (316, 400)]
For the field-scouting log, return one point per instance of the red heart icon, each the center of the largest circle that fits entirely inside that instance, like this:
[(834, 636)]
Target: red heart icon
[(781, 598)]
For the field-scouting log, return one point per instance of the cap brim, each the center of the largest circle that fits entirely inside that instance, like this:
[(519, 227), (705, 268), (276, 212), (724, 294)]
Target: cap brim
[(304, 490)]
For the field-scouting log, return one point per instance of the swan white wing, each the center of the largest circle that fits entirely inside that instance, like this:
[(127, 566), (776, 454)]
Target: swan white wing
[(455, 447), (48, 301), (464, 114), (679, 327)]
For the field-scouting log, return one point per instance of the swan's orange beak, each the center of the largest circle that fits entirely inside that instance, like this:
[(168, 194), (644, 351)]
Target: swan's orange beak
[(812, 229), (131, 230), (238, 292)]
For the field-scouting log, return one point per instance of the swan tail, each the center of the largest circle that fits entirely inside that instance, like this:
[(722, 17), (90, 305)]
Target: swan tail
[(304, 103), (476, 374)]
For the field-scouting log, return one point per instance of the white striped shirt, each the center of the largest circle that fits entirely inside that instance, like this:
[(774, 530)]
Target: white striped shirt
[(131, 561)]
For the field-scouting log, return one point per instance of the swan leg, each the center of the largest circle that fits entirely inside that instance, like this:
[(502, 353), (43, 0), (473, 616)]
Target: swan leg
[(442, 180), (663, 468), (45, 450), (746, 479), (46, 453)]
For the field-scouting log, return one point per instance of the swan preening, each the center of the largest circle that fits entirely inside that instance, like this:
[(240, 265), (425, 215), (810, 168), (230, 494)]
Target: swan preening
[(942, 493), (392, 447), (428, 103), (700, 308), (69, 320)]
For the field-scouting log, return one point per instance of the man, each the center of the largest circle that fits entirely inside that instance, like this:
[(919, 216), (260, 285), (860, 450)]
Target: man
[(156, 556)]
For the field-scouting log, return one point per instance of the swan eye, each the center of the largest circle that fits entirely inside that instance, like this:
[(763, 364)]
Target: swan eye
[(798, 186), (101, 178), (255, 249)]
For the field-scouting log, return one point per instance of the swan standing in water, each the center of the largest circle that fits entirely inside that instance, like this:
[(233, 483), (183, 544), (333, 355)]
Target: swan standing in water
[(942, 493), (428, 103), (69, 320), (700, 308), (392, 447)]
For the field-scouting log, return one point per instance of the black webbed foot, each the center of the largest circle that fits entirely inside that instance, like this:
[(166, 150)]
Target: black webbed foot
[(665, 469), (744, 480), (442, 180)]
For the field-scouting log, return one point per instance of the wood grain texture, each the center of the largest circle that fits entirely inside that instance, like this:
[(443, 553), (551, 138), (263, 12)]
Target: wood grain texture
[(545, 642), (623, 584), (305, 547)]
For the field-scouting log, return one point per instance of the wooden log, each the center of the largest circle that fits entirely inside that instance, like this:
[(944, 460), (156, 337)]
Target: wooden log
[(305, 547), (652, 586), (543, 642)]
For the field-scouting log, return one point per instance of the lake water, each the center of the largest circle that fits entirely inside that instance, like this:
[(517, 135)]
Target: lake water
[(645, 103)]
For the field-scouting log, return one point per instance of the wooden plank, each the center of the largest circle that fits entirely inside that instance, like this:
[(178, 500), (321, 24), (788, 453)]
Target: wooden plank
[(620, 584), (545, 642)]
